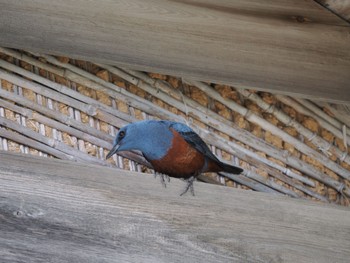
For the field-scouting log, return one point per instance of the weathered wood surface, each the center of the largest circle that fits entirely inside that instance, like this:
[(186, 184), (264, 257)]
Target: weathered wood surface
[(60, 211), (339, 7), (293, 47)]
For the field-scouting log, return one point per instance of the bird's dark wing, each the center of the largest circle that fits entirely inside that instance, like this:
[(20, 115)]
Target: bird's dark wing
[(192, 138)]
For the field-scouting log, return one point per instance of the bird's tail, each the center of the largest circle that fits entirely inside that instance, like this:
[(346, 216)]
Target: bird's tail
[(230, 168)]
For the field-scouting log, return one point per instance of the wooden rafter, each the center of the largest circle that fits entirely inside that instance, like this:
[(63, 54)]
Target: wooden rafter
[(291, 47)]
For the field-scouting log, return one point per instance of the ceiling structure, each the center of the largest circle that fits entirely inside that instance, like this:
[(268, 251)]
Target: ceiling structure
[(71, 110), (296, 48)]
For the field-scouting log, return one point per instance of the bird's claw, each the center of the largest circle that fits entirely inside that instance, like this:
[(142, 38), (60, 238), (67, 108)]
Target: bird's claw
[(189, 186), (163, 178)]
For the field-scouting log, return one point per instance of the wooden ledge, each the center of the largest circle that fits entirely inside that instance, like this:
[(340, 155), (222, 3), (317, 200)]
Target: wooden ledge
[(61, 211)]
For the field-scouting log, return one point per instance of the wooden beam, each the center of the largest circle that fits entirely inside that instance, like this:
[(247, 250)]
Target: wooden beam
[(339, 7), (61, 211), (291, 47)]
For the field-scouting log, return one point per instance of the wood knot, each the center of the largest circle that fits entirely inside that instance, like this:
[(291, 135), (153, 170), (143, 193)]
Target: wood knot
[(18, 213), (300, 19)]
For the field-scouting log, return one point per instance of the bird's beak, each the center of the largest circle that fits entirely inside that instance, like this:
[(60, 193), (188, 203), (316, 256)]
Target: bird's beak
[(113, 151)]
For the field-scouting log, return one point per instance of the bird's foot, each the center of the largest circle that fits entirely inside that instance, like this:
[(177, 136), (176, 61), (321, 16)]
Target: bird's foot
[(189, 186), (163, 178)]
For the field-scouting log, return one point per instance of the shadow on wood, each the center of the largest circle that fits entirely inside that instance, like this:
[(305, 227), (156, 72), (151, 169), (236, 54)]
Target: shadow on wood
[(61, 211)]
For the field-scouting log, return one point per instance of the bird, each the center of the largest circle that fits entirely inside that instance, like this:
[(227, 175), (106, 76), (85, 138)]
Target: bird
[(172, 148)]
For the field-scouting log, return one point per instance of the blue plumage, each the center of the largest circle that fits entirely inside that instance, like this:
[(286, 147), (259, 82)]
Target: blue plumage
[(152, 138)]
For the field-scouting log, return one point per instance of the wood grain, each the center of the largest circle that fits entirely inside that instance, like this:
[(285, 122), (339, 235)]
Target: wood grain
[(61, 211), (291, 47), (339, 7)]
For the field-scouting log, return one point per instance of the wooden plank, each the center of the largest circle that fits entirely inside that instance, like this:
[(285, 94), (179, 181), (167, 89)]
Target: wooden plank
[(291, 47), (339, 7), (61, 211)]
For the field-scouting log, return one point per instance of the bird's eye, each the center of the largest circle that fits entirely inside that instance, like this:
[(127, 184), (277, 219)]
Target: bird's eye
[(121, 134)]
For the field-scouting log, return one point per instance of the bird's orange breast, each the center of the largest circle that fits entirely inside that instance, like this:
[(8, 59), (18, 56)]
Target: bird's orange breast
[(181, 160)]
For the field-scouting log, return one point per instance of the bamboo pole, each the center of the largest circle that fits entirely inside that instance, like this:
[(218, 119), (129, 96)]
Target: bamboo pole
[(58, 87), (245, 154), (252, 158), (89, 80), (251, 183), (80, 130), (33, 144), (39, 100), (74, 113), (228, 128), (252, 117), (20, 119), (287, 120), (271, 183), (58, 93), (340, 112), (55, 115), (300, 108), (31, 60), (50, 89), (293, 183), (275, 173), (316, 110), (3, 141), (52, 143)]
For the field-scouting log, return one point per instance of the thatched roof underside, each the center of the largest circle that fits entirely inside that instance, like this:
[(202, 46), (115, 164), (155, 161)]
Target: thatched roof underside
[(69, 109)]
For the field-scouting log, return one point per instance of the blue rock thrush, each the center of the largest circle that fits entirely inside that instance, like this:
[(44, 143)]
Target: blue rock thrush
[(172, 148)]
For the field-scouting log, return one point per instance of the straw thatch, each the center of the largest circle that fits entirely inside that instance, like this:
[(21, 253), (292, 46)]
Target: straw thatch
[(69, 109)]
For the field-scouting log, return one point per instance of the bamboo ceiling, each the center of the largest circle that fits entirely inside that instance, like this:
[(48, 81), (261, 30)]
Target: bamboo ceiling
[(69, 109)]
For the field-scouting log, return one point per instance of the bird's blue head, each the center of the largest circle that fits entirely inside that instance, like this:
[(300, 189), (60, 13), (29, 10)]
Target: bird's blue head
[(152, 138)]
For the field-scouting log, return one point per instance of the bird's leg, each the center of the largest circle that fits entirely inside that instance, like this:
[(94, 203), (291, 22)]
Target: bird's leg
[(189, 186), (163, 177), (155, 174)]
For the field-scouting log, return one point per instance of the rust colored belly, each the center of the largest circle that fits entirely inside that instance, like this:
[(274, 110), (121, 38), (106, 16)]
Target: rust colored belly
[(181, 160)]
